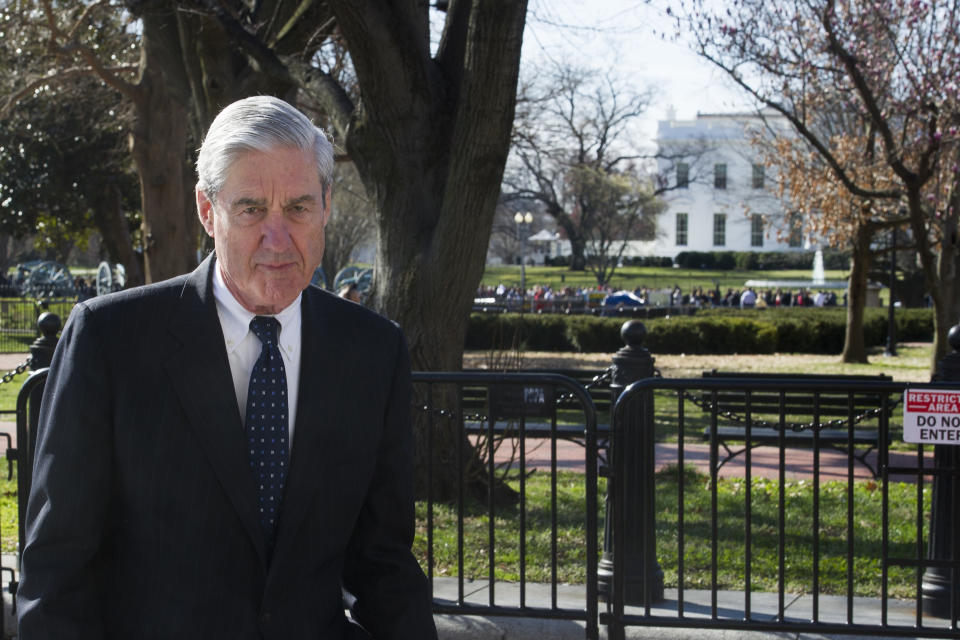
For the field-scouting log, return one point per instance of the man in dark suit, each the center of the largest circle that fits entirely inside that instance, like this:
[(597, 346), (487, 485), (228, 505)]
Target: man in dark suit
[(221, 453)]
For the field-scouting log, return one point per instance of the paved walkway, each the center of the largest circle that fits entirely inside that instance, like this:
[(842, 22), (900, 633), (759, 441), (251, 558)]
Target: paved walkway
[(10, 361), (697, 605), (765, 461)]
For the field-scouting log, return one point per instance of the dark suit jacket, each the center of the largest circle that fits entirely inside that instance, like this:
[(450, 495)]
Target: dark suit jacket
[(142, 520)]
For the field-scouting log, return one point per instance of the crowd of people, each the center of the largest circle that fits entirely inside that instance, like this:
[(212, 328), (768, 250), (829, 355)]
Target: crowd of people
[(751, 298), (543, 294), (543, 297)]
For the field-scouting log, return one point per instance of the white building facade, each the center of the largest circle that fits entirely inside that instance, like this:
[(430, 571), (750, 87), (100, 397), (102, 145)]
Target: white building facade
[(722, 196)]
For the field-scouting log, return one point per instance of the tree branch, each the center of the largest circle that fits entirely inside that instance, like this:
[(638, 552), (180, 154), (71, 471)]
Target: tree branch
[(67, 46), (806, 132), (259, 53), (323, 88), (453, 43), (866, 95), (57, 78)]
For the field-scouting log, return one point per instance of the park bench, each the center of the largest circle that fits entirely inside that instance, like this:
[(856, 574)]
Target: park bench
[(477, 401), (834, 407)]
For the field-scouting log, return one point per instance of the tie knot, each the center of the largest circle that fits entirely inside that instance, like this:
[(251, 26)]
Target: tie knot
[(266, 328)]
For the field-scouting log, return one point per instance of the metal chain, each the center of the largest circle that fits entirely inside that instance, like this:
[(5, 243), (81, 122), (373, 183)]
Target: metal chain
[(708, 407), (605, 376), (449, 415), (10, 375)]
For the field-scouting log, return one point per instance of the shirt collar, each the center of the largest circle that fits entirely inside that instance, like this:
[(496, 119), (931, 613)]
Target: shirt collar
[(235, 319)]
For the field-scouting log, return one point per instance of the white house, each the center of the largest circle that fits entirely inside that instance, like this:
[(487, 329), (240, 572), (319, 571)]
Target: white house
[(723, 200), (722, 197)]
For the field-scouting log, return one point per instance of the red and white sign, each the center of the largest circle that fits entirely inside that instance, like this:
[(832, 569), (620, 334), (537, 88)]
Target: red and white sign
[(931, 416)]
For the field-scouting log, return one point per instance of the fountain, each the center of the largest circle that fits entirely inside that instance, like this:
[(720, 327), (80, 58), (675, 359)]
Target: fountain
[(817, 279)]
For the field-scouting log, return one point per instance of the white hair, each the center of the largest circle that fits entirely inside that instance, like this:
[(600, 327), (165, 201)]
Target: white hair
[(259, 123)]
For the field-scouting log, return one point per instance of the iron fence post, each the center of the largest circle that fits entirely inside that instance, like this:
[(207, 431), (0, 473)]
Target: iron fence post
[(635, 437), (941, 584), (41, 351)]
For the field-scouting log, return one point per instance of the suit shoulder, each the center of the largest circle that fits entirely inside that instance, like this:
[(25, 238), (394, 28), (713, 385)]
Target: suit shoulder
[(154, 296), (351, 314)]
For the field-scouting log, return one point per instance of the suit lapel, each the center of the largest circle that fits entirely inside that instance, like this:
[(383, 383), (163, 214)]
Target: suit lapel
[(316, 435), (200, 373)]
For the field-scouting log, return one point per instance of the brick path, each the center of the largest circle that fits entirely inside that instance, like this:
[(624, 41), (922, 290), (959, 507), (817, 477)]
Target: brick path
[(765, 461)]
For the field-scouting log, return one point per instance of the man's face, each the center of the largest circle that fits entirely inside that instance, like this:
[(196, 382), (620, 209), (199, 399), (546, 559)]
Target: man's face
[(267, 225)]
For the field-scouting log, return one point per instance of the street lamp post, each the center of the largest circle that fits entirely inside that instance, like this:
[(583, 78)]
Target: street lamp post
[(523, 221), (891, 349)]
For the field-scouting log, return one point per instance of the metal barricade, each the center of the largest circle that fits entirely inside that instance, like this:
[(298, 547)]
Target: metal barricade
[(483, 415), (715, 526)]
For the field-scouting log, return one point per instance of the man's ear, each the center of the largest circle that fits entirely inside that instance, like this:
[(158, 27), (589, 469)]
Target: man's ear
[(205, 211)]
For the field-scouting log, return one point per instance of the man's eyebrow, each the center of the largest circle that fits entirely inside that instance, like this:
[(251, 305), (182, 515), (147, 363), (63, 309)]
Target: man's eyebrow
[(304, 199), (248, 202), (259, 202)]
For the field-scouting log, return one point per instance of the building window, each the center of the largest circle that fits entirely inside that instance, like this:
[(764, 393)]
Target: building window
[(758, 176), (719, 229), (683, 175), (796, 230), (756, 230), (720, 176), (681, 229)]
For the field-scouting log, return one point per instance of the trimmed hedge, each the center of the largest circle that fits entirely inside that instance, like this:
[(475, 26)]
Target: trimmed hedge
[(714, 331), (759, 260)]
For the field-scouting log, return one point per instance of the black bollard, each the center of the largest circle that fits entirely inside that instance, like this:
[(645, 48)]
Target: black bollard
[(41, 351), (631, 363), (944, 545)]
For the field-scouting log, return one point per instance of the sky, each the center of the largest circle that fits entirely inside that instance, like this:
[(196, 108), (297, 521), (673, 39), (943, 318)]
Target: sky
[(625, 36)]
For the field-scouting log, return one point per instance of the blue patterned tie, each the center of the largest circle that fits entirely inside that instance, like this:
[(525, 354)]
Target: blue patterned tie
[(267, 425)]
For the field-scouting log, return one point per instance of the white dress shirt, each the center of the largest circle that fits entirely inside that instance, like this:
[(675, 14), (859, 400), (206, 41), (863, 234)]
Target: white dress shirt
[(243, 346)]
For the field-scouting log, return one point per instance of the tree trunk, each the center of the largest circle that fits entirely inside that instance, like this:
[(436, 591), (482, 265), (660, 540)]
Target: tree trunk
[(430, 142), (578, 258), (939, 269), (112, 224), (5, 254), (854, 345), (947, 312), (158, 143)]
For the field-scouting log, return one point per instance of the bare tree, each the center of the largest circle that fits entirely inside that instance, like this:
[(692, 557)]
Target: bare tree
[(895, 65), (352, 220), (626, 209), (505, 242), (827, 211), (573, 153)]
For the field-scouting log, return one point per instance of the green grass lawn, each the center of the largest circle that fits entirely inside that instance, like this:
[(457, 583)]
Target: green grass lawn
[(8, 511), (9, 391), (698, 535), (799, 525), (8, 487), (571, 536), (652, 277)]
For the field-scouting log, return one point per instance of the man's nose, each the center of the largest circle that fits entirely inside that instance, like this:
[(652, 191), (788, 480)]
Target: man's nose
[(275, 232)]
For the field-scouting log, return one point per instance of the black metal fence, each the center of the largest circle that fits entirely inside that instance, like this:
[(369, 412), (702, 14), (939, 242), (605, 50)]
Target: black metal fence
[(837, 551), (25, 416), (700, 491), (482, 431), (18, 320)]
